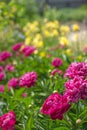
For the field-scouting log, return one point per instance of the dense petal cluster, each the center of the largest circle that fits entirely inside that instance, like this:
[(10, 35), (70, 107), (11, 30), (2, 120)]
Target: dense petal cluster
[(55, 106), (28, 79), (28, 50), (73, 89), (17, 46), (9, 67), (7, 121), (12, 83), (57, 62), (76, 69), (4, 55)]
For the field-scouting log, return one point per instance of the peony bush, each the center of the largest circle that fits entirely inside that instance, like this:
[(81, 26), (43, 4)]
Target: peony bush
[(43, 74)]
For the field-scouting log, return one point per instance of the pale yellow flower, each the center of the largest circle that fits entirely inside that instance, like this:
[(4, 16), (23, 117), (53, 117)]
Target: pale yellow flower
[(64, 29), (55, 32), (76, 36), (36, 52)]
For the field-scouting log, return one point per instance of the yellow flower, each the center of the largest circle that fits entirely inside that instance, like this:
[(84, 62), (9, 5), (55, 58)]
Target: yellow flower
[(64, 29), (42, 54), (55, 32), (27, 33), (39, 44), (68, 52), (27, 40), (35, 23), (64, 41), (46, 33), (38, 36), (75, 27)]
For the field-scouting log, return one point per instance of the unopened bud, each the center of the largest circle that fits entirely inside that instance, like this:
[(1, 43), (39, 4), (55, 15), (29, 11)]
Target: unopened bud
[(78, 121)]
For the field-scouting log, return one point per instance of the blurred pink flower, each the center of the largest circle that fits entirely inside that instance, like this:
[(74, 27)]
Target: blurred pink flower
[(4, 55), (1, 68), (28, 50), (2, 76), (9, 67), (56, 62), (85, 49), (17, 46), (24, 94), (7, 121), (12, 83), (28, 79), (1, 88)]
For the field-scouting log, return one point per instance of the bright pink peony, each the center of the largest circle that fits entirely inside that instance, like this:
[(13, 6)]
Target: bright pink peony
[(57, 62), (9, 67), (4, 55), (76, 89), (56, 71), (28, 79), (7, 121), (1, 69), (28, 50), (17, 46), (76, 69), (55, 106), (1, 88), (12, 83), (2, 76)]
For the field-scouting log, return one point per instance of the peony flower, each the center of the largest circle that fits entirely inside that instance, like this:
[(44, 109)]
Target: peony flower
[(28, 79), (1, 69), (76, 69), (7, 121), (57, 62), (1, 88), (55, 106), (76, 89), (9, 67), (2, 76), (12, 83), (56, 71), (4, 55), (28, 50), (17, 46)]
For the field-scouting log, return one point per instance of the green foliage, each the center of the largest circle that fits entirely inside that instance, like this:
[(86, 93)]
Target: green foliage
[(66, 14)]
